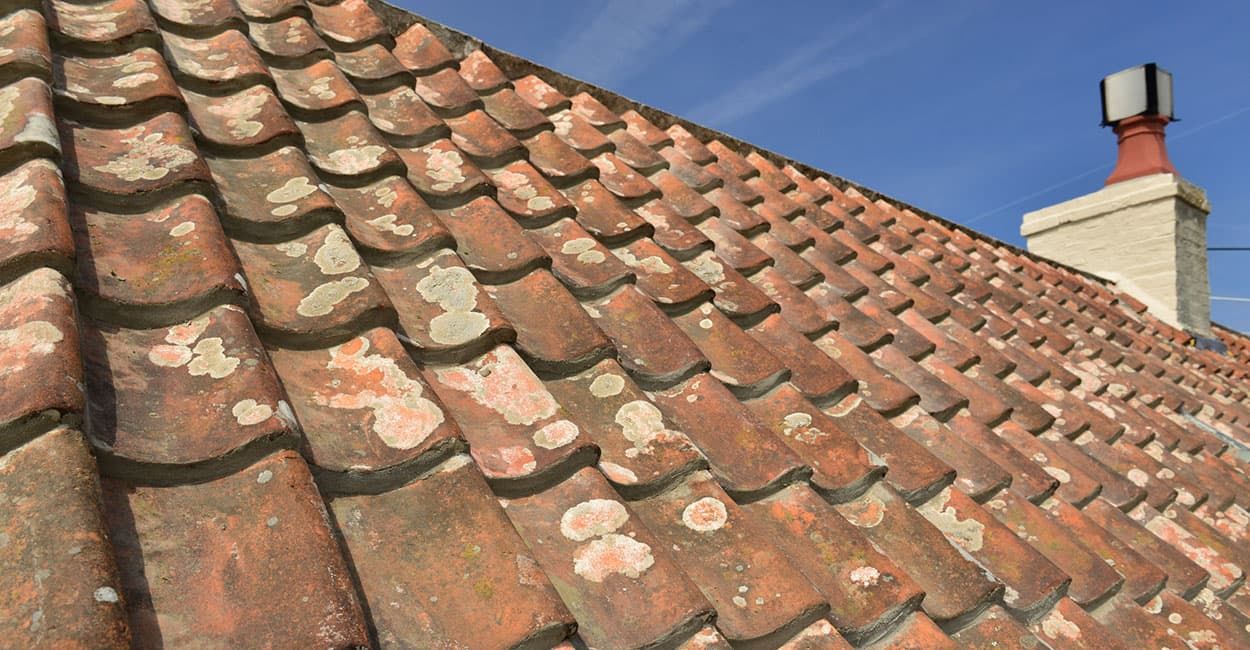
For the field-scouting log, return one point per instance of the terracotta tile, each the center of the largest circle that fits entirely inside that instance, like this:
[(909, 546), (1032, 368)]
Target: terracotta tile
[(42, 375), (649, 345), (267, 9), (389, 217), (843, 469), (806, 188), (554, 333), (315, 88), (983, 403), (621, 179), (525, 194), (241, 525), (491, 565), (603, 215), (350, 22), (707, 638), (936, 397), (275, 195), (368, 418), (443, 313), (636, 154), (694, 176), (793, 268), (918, 631), (977, 475), (1093, 580), (745, 366), (1137, 466), (244, 119), (821, 635), (731, 160), (1183, 575), (880, 389), (641, 452), (620, 581), (80, 22), (1235, 623), (240, 67), (955, 588), (644, 131), (661, 277), (134, 376), (731, 247), (797, 308), (61, 583), (491, 243), (121, 82), (813, 372), (403, 118), (868, 593), (1028, 479), (708, 532), (372, 66), (688, 204), (1032, 582), (743, 453), (161, 264), (519, 435), (995, 629), (579, 134), (540, 94), (419, 50), (476, 134), (447, 93), (1057, 459), (33, 223), (735, 295), (591, 110), (769, 173), (558, 161), (443, 173), (515, 114), (206, 15), (290, 40), (1069, 626), (1142, 579), (24, 45), (582, 264), (907, 341), (673, 233), (481, 73), (141, 160), (860, 330), (348, 146), (1205, 535), (1167, 619)]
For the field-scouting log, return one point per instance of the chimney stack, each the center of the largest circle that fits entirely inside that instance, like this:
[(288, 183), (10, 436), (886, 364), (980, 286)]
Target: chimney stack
[(1146, 229)]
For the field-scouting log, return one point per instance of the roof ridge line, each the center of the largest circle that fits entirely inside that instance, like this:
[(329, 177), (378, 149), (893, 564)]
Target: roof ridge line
[(397, 19)]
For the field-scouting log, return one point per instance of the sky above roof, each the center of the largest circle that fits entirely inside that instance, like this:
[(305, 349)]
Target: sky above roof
[(974, 110)]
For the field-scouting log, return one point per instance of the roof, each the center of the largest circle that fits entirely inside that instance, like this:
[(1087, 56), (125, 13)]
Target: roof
[(324, 325)]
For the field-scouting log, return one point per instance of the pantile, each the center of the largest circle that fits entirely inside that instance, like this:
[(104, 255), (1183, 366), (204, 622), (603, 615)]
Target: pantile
[(569, 371)]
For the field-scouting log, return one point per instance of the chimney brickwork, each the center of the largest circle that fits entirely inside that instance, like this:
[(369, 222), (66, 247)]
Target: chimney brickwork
[(1148, 234)]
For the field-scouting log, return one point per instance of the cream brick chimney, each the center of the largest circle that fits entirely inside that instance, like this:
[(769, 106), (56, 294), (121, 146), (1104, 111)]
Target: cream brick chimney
[(1147, 228), (1147, 234)]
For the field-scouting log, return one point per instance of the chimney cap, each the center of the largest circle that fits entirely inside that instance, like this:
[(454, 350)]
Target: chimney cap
[(1141, 90)]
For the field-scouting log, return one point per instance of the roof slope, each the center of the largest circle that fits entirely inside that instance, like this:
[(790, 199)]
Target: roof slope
[(314, 333)]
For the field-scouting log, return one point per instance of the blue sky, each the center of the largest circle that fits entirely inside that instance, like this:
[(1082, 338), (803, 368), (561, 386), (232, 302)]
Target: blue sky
[(975, 110)]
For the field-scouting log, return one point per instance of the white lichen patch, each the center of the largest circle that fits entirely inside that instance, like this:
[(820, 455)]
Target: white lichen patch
[(705, 515), (651, 264), (967, 533), (642, 424), (445, 169), (865, 576), (388, 223), (248, 412), (1057, 627), (798, 426), (20, 345), (843, 408), (16, 196), (292, 248), (146, 156), (584, 249), (612, 554), (320, 88), (211, 359), (556, 434), (402, 417), (607, 385), (135, 80), (356, 160), (617, 473), (336, 255), (325, 297), (503, 384), (708, 267), (293, 190), (182, 229), (1059, 475), (105, 594), (455, 292), (593, 518), (522, 189), (1138, 477)]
